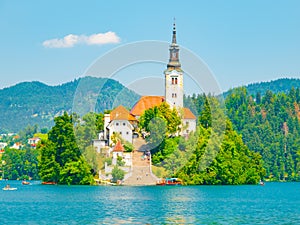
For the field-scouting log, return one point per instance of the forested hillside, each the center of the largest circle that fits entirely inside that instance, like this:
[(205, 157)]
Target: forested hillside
[(31, 103), (269, 125), (276, 86)]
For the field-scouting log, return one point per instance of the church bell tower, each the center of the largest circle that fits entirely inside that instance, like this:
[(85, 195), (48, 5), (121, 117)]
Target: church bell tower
[(174, 76)]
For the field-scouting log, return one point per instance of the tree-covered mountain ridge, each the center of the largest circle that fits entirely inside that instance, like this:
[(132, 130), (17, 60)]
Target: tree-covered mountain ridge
[(275, 86), (31, 103)]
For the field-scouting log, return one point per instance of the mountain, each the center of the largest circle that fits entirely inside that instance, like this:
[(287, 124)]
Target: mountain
[(276, 86), (31, 103)]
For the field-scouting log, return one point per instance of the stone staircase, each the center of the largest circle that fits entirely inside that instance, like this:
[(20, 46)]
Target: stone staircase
[(141, 173)]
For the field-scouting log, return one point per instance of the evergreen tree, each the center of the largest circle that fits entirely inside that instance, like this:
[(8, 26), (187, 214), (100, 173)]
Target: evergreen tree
[(61, 160)]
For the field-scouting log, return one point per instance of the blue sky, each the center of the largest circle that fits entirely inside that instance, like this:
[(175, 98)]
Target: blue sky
[(240, 41)]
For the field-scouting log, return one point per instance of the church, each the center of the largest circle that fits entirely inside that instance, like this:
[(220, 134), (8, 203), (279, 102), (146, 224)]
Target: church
[(122, 121)]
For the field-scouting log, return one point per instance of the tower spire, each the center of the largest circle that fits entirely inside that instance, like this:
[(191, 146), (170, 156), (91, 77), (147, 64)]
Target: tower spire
[(174, 33), (174, 51)]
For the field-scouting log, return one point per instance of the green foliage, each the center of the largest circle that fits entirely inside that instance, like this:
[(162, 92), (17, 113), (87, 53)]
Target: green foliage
[(276, 86), (20, 164), (49, 169), (93, 158), (158, 115), (205, 117), (27, 132), (61, 160), (108, 161), (128, 146), (76, 172), (270, 126), (87, 129), (117, 174), (230, 163), (162, 123), (36, 103), (120, 161)]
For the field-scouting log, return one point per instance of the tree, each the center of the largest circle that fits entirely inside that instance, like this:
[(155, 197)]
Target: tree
[(117, 174), (232, 163), (20, 164), (49, 169), (61, 160), (163, 111)]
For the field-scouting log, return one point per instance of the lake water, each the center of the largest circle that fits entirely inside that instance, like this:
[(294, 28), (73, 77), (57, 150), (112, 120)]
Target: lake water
[(274, 203)]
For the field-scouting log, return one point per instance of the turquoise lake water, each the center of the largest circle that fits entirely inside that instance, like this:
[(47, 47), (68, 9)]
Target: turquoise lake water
[(274, 203)]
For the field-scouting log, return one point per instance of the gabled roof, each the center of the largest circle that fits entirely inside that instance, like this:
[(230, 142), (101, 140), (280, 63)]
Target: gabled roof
[(121, 113), (187, 114), (118, 147), (146, 102)]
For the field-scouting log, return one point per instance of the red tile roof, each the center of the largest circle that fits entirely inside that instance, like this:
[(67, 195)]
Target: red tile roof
[(187, 114), (121, 113), (119, 147), (146, 102)]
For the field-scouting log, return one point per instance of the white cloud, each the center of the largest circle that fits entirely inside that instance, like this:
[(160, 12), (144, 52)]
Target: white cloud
[(71, 39)]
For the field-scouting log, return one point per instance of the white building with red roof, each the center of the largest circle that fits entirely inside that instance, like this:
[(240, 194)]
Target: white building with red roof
[(120, 121)]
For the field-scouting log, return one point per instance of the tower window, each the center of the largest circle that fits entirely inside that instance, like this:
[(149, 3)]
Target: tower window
[(174, 80)]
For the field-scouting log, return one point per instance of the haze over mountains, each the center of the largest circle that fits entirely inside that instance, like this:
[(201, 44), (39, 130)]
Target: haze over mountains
[(31, 103)]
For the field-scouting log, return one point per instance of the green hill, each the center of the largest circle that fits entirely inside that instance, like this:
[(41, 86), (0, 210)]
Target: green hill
[(31, 103), (276, 86)]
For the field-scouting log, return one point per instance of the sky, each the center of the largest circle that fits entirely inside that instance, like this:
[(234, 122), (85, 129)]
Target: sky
[(240, 42)]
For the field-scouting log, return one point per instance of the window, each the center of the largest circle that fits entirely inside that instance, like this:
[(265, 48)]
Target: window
[(127, 132), (174, 95), (124, 124), (120, 132), (117, 124), (174, 80), (187, 123)]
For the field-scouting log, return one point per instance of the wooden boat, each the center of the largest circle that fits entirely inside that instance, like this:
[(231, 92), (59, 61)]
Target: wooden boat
[(169, 182), (24, 182), (49, 183)]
